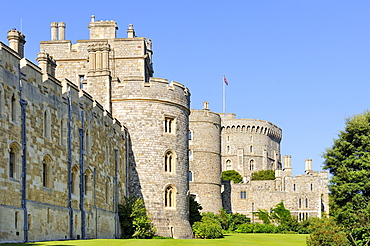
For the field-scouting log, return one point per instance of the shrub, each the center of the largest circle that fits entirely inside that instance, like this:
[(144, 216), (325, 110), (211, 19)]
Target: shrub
[(237, 219), (232, 175), (324, 232), (134, 220), (257, 228), (264, 175), (209, 227)]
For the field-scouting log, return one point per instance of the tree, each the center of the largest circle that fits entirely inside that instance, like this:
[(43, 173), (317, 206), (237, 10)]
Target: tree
[(264, 175), (348, 160), (134, 220), (325, 232), (194, 211), (232, 175)]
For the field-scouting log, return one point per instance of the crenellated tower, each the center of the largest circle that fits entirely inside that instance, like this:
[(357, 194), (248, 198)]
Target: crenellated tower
[(118, 72)]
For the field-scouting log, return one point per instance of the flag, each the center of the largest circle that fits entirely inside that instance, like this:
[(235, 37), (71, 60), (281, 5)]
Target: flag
[(225, 80)]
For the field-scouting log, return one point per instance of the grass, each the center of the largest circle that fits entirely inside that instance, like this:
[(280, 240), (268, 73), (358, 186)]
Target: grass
[(255, 239)]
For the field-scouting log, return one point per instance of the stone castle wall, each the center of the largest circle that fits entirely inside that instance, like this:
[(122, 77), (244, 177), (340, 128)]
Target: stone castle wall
[(46, 128), (205, 160), (118, 72)]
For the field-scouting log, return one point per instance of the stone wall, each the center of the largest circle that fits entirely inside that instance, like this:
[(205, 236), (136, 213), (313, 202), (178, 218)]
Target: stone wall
[(47, 140)]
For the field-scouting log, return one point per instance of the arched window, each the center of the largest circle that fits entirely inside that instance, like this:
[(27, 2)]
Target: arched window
[(228, 165), (169, 197), (13, 108), (75, 180), (47, 172), (169, 161), (87, 187), (14, 161), (228, 149), (251, 165)]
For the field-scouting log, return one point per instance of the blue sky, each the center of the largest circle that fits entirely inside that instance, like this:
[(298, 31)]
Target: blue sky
[(302, 65)]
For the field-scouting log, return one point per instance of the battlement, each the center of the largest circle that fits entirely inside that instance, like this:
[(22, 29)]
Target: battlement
[(230, 124), (133, 88), (205, 115)]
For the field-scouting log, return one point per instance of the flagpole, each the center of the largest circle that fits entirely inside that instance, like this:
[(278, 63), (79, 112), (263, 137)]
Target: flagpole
[(224, 94)]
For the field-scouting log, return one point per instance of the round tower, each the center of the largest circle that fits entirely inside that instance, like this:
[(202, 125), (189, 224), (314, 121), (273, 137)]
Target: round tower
[(204, 158), (156, 114), (249, 145)]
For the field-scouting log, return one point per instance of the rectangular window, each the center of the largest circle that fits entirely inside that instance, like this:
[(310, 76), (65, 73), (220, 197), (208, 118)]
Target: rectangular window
[(169, 125), (11, 163), (81, 79), (44, 174)]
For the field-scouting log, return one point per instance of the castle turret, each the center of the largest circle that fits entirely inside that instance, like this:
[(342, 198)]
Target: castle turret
[(102, 29), (204, 155), (17, 41)]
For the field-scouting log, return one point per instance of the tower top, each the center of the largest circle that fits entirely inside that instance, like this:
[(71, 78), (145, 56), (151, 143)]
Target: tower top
[(102, 29)]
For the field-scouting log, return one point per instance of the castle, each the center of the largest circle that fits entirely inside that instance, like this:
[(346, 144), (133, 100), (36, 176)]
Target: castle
[(90, 125)]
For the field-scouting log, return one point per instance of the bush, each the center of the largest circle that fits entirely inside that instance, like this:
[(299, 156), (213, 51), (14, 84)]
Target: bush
[(134, 220), (232, 175), (237, 219), (209, 227), (324, 232), (264, 175), (257, 228)]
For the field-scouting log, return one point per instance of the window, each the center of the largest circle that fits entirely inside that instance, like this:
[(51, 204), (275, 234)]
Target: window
[(169, 162), (46, 124), (2, 106), (190, 155), (87, 183), (107, 190), (243, 195), (81, 79), (169, 125), (251, 149), (228, 149), (294, 187), (190, 177), (299, 203), (251, 165), (16, 219), (190, 135), (311, 187), (13, 108), (75, 180), (44, 174), (63, 132), (11, 163), (306, 203), (14, 162), (228, 165), (169, 197)]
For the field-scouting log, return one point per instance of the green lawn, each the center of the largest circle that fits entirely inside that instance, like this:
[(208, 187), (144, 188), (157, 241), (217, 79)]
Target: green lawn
[(229, 239)]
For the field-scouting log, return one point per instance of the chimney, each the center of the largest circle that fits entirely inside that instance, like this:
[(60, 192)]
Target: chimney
[(308, 166), (62, 30), (130, 31), (205, 106), (54, 31), (17, 41)]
